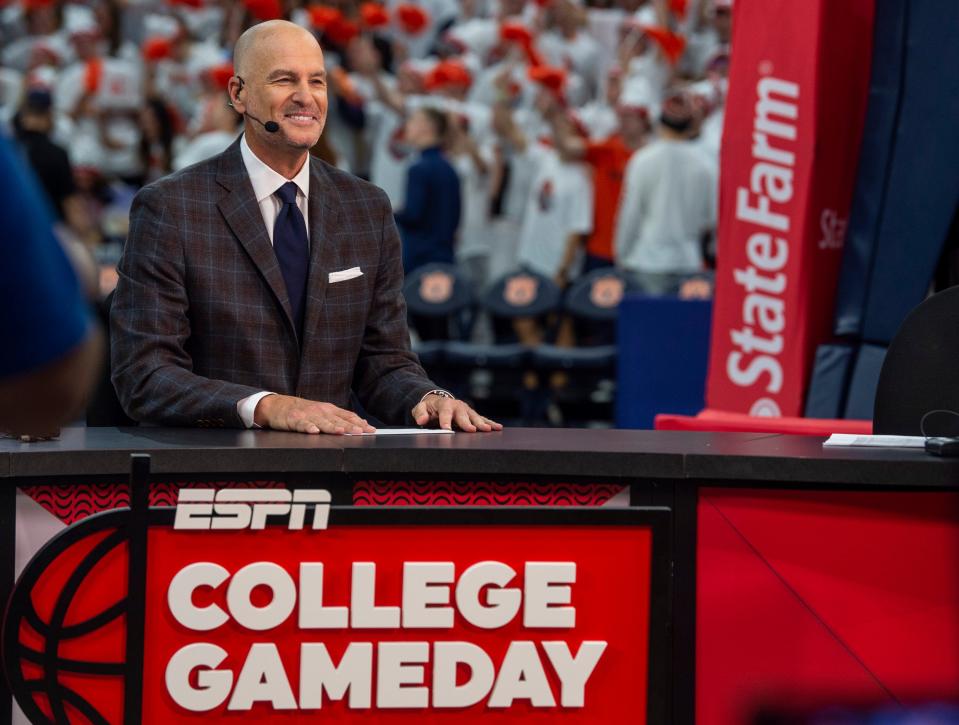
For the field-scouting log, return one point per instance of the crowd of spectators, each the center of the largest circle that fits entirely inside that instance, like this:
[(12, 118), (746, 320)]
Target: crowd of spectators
[(581, 134)]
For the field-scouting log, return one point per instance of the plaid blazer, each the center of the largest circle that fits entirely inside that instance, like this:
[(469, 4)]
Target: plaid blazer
[(201, 318)]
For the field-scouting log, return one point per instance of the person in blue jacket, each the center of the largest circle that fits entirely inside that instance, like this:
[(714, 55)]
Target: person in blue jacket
[(49, 347), (431, 214)]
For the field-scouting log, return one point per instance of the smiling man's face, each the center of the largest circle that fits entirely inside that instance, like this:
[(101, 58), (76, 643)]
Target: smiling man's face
[(284, 80)]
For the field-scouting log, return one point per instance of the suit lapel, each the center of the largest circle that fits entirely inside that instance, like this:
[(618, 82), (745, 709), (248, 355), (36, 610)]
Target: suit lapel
[(242, 214), (323, 218)]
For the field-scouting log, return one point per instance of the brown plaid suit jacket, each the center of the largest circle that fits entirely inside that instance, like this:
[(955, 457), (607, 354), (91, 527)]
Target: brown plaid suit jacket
[(201, 319)]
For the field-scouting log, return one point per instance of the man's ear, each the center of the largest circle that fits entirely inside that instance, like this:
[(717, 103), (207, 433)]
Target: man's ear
[(233, 90)]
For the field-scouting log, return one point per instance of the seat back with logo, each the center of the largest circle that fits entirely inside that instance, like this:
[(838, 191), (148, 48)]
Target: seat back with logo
[(520, 293), (439, 302), (593, 303)]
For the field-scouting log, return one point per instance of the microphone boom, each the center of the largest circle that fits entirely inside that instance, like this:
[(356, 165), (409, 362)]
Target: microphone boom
[(270, 126)]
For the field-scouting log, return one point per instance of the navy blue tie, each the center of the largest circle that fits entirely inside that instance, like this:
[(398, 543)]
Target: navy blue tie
[(292, 247)]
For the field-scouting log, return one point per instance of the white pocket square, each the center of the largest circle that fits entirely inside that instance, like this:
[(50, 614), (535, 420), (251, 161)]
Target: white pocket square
[(345, 274)]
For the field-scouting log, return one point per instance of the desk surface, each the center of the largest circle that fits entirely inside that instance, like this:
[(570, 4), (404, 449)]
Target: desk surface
[(730, 457)]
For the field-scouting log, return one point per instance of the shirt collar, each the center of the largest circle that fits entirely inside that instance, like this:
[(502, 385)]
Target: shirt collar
[(265, 180)]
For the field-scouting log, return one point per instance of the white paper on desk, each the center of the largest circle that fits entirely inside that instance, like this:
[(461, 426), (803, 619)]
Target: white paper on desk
[(404, 432), (851, 439)]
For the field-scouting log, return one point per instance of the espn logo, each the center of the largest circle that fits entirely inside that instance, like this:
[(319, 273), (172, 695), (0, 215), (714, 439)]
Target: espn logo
[(233, 509)]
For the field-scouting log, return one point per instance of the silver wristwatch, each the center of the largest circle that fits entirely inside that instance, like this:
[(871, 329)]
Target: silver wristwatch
[(441, 393)]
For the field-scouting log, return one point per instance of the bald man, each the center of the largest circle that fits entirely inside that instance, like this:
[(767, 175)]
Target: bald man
[(259, 287)]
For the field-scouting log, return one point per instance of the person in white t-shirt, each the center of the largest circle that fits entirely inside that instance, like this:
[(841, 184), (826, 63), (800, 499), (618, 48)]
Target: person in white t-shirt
[(418, 40), (103, 95), (708, 99), (385, 102), (668, 206), (517, 131), (222, 131), (32, 35), (639, 56), (709, 38), (558, 208), (604, 26), (473, 163), (558, 211), (599, 116), (568, 45)]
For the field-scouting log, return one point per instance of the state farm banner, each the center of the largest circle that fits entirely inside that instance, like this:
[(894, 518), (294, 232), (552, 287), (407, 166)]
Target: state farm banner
[(797, 98), (270, 605)]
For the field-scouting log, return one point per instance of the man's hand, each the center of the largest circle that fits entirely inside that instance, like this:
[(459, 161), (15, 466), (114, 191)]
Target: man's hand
[(283, 412), (448, 411)]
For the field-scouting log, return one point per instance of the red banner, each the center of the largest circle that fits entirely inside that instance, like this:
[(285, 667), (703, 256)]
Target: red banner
[(797, 98)]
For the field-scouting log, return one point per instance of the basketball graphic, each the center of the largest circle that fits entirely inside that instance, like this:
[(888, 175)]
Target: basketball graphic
[(65, 633)]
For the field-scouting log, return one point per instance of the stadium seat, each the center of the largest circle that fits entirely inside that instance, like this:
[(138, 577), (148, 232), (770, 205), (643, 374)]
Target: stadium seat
[(439, 302), (592, 305), (440, 308), (495, 372)]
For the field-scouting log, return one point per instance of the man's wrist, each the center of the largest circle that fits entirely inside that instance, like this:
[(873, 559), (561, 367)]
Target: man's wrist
[(261, 417), (247, 406), (439, 391)]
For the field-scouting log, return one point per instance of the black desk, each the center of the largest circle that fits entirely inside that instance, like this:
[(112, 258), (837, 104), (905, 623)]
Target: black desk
[(617, 454), (656, 468)]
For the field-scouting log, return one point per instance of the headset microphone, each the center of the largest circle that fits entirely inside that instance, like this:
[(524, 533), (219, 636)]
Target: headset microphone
[(270, 126)]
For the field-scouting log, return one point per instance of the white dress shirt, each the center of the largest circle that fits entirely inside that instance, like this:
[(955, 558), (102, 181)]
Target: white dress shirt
[(265, 182)]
